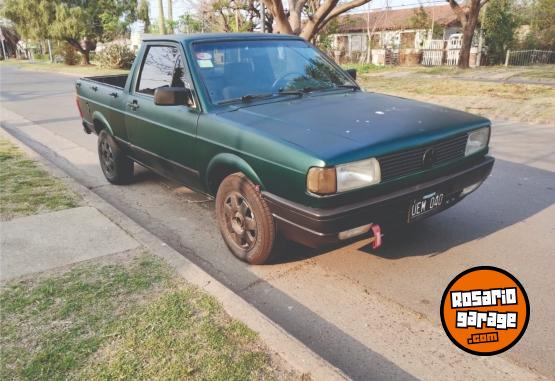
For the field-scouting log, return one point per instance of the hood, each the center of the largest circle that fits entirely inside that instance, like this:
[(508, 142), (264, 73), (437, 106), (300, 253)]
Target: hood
[(341, 127)]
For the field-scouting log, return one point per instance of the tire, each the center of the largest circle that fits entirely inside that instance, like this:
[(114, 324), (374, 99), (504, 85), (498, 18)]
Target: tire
[(245, 221), (117, 168)]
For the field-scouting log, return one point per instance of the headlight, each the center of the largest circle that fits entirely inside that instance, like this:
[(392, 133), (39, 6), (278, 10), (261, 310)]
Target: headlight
[(344, 177), (477, 140), (358, 174)]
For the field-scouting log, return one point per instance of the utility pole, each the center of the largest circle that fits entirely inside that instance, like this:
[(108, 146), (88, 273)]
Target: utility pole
[(161, 22)]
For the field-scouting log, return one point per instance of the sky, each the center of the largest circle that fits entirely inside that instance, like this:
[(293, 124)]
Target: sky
[(182, 6)]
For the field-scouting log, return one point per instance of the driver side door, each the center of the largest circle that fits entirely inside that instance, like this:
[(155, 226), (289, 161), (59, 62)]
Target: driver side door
[(163, 137)]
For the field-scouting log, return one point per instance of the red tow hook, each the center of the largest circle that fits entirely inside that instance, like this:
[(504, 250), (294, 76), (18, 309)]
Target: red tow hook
[(376, 240)]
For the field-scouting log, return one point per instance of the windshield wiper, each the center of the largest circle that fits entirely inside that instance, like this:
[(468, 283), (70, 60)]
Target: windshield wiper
[(336, 87), (354, 87), (252, 97)]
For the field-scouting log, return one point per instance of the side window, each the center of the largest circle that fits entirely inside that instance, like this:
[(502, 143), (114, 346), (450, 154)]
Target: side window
[(162, 67)]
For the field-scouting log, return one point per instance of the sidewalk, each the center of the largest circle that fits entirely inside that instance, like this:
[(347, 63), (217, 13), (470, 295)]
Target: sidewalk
[(46, 241), (55, 240)]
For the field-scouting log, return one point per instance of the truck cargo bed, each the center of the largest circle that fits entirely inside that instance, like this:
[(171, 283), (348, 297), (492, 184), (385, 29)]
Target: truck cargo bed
[(117, 80)]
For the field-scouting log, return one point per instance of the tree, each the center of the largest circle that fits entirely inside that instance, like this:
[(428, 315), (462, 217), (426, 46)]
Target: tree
[(543, 23), (31, 21), (468, 19), (233, 15), (307, 17), (422, 20), (171, 25), (79, 22), (498, 23), (143, 14), (161, 22), (189, 23)]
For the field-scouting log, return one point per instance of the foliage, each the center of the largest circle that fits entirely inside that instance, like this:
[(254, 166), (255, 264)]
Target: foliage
[(498, 23), (79, 22), (324, 40), (115, 56), (364, 68), (143, 14), (422, 20), (189, 23), (67, 53), (232, 15), (31, 18), (543, 24)]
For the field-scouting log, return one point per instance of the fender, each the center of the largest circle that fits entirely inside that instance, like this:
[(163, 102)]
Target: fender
[(234, 162), (97, 117)]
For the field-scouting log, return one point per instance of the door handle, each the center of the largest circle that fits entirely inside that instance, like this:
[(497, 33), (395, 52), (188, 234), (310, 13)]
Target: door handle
[(115, 95), (94, 88), (133, 105)]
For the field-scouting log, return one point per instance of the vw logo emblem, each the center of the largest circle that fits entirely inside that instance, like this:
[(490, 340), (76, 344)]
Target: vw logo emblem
[(429, 158)]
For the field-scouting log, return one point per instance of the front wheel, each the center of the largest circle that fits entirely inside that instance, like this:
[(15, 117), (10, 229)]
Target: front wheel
[(245, 221), (117, 168)]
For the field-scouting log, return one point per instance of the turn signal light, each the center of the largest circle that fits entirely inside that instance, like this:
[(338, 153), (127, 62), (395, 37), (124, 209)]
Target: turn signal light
[(321, 180)]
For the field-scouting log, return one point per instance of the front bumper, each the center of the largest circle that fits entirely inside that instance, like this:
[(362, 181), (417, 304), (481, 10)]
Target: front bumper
[(316, 227)]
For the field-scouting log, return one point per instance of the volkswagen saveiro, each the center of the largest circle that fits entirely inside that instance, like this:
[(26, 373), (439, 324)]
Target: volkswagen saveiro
[(283, 138)]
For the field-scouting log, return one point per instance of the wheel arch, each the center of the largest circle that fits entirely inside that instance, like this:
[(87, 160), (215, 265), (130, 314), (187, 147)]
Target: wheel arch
[(223, 165), (100, 123)]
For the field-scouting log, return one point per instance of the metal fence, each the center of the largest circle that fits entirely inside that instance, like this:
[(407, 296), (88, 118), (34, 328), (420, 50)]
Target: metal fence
[(529, 57)]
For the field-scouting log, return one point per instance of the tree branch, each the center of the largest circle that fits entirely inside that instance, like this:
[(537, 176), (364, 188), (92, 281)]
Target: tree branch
[(344, 8), (459, 12), (276, 7), (483, 3)]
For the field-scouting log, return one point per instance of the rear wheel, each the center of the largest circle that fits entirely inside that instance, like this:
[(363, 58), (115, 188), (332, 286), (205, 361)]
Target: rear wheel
[(245, 221), (117, 168)]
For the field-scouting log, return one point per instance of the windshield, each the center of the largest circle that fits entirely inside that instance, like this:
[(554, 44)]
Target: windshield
[(242, 69)]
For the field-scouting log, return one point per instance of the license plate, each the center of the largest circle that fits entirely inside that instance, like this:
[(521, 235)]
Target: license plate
[(425, 205)]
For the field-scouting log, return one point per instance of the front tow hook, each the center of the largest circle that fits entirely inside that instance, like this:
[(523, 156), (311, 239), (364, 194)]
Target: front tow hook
[(377, 235)]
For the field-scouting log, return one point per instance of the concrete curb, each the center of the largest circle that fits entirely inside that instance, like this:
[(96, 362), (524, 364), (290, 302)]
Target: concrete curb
[(300, 358)]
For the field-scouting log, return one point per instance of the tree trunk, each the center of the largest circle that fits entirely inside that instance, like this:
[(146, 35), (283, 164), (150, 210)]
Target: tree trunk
[(468, 34), (170, 16), (282, 23), (161, 22), (84, 50), (85, 57)]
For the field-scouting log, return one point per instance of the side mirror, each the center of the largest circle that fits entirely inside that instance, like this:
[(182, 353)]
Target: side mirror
[(173, 96), (352, 73)]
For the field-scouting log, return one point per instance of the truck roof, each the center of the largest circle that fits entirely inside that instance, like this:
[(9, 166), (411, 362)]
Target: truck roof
[(218, 37)]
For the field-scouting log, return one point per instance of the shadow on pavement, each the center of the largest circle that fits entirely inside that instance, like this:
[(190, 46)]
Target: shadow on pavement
[(513, 193)]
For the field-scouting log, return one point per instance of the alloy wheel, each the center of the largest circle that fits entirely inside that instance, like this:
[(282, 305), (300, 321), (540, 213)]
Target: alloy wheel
[(240, 220)]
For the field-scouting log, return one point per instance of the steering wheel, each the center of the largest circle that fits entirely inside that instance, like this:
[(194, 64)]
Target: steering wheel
[(278, 82)]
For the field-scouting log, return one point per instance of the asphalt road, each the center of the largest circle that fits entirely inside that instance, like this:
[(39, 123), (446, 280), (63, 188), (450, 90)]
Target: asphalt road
[(372, 314)]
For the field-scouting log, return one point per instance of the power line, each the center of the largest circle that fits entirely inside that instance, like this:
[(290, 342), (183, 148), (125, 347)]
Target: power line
[(399, 6)]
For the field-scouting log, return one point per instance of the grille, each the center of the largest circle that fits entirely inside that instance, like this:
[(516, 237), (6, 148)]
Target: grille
[(404, 163)]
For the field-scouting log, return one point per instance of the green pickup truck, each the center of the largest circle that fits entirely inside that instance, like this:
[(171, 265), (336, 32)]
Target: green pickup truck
[(283, 138)]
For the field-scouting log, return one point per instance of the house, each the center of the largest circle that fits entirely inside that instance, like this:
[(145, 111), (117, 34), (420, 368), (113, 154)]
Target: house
[(395, 38)]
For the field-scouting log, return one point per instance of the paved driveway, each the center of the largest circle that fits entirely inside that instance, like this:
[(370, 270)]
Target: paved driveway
[(372, 314)]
